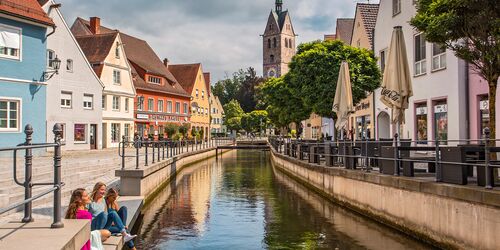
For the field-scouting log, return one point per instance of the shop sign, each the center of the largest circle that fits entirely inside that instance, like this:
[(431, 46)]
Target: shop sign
[(443, 108), (363, 106), (484, 105), (142, 116), (422, 110)]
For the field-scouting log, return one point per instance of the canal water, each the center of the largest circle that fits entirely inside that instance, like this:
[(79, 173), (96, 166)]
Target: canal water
[(242, 202)]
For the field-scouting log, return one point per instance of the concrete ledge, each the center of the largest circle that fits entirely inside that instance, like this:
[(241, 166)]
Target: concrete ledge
[(445, 215), (38, 235)]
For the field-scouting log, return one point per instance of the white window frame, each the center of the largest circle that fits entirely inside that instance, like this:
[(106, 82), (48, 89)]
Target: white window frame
[(154, 80), (396, 7), (127, 104), (185, 108), (419, 67), (177, 110), (103, 102), (117, 50), (86, 102), (20, 32), (197, 93), (117, 78), (19, 114), (441, 58), (65, 105), (170, 107), (126, 130), (51, 54), (117, 103), (151, 108), (203, 94), (160, 107), (117, 139)]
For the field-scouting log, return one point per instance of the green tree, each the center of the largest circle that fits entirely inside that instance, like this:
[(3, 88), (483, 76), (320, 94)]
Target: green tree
[(314, 73), (184, 129), (171, 129), (233, 123), (233, 113), (246, 95), (470, 28)]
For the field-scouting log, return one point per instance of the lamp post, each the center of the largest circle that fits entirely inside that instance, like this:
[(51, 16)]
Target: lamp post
[(56, 64)]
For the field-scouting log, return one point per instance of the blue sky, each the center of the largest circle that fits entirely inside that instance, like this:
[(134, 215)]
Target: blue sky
[(221, 34)]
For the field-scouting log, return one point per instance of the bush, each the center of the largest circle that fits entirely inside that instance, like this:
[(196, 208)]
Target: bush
[(171, 129)]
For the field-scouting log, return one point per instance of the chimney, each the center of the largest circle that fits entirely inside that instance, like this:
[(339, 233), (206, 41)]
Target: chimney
[(95, 25), (165, 62)]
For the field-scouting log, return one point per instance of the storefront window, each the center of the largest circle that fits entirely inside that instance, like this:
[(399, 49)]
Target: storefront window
[(115, 132), (363, 124), (421, 113), (484, 115), (80, 133), (441, 121)]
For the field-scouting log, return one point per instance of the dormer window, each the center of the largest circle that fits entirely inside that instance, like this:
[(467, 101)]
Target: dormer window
[(117, 50), (154, 80)]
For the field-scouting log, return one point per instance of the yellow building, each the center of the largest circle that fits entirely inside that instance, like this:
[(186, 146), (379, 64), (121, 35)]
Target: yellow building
[(191, 78), (362, 37)]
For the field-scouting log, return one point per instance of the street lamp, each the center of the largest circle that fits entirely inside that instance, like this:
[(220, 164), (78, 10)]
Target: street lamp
[(56, 64)]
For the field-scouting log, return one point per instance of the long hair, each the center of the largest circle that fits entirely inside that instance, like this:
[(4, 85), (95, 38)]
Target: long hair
[(110, 198), (97, 186), (75, 202)]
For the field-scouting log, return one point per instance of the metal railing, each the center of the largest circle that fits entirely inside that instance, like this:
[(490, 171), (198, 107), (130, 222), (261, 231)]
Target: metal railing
[(448, 161), (28, 183), (146, 151)]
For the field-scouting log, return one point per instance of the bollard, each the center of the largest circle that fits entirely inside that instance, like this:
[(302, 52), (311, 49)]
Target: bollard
[(487, 166), (439, 171), (123, 151), (146, 154), (396, 155), (57, 130), (28, 167)]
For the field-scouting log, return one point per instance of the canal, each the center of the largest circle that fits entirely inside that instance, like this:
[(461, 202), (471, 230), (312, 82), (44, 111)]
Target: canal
[(242, 202)]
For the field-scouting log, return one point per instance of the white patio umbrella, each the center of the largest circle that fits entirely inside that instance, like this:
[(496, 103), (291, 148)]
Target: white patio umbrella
[(396, 84), (342, 103)]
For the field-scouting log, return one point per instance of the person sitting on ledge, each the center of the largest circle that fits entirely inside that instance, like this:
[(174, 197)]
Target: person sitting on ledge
[(77, 210), (103, 219), (112, 206)]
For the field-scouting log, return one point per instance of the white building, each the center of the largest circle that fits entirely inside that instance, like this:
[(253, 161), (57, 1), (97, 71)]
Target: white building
[(437, 108), (74, 93)]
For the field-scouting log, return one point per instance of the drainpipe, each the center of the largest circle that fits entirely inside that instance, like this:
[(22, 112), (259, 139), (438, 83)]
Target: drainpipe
[(467, 100), (53, 6), (374, 118)]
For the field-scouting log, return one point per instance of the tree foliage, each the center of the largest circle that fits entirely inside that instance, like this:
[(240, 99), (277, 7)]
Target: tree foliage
[(233, 113), (254, 121), (314, 73), (470, 28), (241, 87), (171, 129)]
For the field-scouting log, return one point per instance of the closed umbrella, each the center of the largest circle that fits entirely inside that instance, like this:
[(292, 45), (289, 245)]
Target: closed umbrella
[(396, 84), (342, 103)]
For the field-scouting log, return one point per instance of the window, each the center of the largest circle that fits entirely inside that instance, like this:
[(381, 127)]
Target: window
[(126, 130), (117, 77), (69, 65), (10, 115), (103, 101), (80, 133), (421, 114), (196, 93), (117, 50), (269, 43), (203, 94), (169, 106), (115, 132), (10, 42), (438, 57), (420, 63), (286, 42), (160, 105), (396, 7), (66, 99), (272, 58), (154, 79), (50, 56), (88, 101), (63, 130), (177, 107), (274, 42), (382, 60), (140, 103), (185, 108), (126, 104), (441, 121), (484, 114), (290, 43), (116, 103), (151, 104)]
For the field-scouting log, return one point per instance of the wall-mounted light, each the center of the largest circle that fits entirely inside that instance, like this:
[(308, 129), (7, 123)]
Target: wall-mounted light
[(56, 64)]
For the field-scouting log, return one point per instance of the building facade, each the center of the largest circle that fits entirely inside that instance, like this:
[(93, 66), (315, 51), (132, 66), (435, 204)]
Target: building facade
[(436, 110), (217, 115), (192, 80), (24, 28), (361, 121), (74, 94), (278, 42)]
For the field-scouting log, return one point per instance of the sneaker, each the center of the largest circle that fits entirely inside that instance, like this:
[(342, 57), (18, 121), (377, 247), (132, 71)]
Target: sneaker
[(128, 237)]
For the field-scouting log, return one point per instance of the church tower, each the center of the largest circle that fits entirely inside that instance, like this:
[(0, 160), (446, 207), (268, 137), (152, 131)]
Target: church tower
[(278, 42)]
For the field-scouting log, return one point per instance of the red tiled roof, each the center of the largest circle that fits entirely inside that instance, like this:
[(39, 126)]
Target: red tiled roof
[(186, 74), (206, 75), (96, 47), (369, 14), (25, 9)]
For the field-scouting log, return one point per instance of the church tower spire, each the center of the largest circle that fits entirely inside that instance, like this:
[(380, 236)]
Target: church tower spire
[(279, 6)]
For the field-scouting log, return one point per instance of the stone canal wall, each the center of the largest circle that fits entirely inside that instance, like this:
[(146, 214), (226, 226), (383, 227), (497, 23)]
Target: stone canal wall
[(449, 216)]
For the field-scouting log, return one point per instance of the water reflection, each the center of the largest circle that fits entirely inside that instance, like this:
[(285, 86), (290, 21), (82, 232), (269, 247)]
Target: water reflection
[(241, 202)]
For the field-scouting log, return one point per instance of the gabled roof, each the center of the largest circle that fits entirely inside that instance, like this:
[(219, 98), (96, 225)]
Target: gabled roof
[(97, 47), (344, 29), (26, 9), (369, 14), (186, 74)]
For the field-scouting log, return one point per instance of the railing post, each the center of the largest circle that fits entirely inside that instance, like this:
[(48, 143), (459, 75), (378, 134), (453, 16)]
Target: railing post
[(28, 164), (123, 151), (439, 173), (487, 166), (163, 150), (57, 223), (396, 155), (146, 154), (153, 155), (137, 144)]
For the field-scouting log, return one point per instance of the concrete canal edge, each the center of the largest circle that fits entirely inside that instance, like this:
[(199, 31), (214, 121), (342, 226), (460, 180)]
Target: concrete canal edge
[(444, 215)]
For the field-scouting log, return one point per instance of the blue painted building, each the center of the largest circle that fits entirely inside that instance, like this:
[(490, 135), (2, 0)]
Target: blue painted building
[(24, 27)]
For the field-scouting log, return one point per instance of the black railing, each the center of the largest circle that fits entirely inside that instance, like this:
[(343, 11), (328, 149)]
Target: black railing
[(28, 183), (450, 161), (148, 151)]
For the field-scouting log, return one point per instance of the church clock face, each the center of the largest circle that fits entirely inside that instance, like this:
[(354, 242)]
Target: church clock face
[(271, 72)]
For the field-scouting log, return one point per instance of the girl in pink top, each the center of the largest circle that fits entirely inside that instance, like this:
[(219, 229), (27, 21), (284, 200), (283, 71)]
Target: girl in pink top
[(77, 210)]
